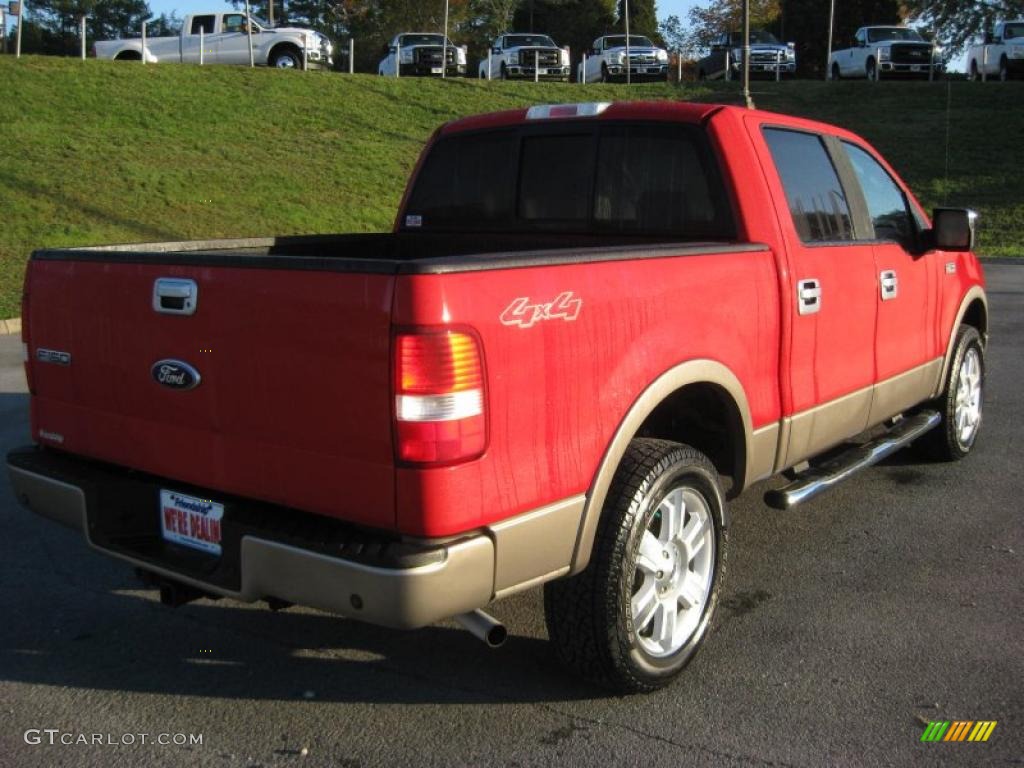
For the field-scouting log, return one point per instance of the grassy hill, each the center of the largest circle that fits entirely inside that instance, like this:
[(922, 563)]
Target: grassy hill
[(102, 152)]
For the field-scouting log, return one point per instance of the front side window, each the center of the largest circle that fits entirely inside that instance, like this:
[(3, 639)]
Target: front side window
[(233, 22), (886, 203), (816, 199)]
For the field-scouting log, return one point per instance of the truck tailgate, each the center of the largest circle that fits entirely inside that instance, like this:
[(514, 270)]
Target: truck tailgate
[(293, 404)]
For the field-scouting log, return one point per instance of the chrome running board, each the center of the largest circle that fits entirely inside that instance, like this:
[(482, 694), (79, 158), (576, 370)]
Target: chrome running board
[(819, 479)]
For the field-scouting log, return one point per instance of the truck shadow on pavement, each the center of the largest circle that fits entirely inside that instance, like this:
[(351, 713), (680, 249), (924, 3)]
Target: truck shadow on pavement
[(70, 635)]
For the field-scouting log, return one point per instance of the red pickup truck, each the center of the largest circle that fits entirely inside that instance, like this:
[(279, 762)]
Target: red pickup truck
[(591, 325)]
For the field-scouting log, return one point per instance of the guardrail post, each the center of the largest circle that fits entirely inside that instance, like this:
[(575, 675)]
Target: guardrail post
[(583, 70), (202, 45), (536, 66), (778, 66), (728, 65), (82, 35), (351, 55), (984, 60), (931, 65), (878, 64), (143, 42), (679, 64), (490, 56)]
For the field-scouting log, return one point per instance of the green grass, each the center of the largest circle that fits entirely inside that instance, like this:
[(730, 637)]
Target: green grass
[(103, 152)]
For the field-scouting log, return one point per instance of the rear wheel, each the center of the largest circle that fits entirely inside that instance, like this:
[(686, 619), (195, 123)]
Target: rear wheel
[(638, 613), (1004, 70), (973, 75), (836, 75), (961, 400)]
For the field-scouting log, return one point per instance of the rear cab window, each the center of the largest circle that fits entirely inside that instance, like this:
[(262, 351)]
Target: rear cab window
[(622, 177)]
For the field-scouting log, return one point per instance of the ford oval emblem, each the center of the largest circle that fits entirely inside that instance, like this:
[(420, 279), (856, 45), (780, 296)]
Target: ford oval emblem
[(175, 374)]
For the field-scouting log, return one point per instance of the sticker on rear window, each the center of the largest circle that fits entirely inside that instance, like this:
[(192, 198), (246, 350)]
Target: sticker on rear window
[(413, 221)]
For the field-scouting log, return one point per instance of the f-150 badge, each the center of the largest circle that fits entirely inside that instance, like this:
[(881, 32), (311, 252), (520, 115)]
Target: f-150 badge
[(175, 374), (525, 314)]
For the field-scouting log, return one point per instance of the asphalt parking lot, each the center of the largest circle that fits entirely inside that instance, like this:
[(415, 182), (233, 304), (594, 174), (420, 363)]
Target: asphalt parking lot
[(848, 624)]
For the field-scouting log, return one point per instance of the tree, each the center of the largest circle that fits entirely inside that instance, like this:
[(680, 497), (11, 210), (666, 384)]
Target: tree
[(56, 23), (576, 23), (957, 22), (643, 18), (722, 16)]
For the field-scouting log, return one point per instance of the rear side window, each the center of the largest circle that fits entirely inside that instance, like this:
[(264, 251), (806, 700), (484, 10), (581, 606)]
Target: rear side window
[(886, 203), (629, 178), (203, 24), (815, 196)]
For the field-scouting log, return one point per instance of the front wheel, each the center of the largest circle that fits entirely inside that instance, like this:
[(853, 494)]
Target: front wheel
[(871, 70), (1004, 70), (638, 613), (961, 400), (286, 59)]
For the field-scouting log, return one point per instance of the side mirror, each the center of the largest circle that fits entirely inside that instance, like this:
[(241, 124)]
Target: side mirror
[(953, 229), (495, 50), (393, 49)]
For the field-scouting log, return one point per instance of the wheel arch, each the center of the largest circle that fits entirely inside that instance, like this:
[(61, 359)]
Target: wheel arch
[(285, 45), (665, 410), (130, 54), (973, 311)]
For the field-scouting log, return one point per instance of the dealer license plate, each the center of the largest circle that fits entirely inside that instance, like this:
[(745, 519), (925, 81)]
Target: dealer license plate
[(917, 68), (191, 521), (435, 70)]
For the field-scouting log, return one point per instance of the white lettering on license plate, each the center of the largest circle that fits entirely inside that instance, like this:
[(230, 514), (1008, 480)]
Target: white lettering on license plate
[(191, 521)]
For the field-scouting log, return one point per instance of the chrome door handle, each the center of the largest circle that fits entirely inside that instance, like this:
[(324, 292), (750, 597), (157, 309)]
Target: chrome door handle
[(175, 296), (808, 296), (889, 284)]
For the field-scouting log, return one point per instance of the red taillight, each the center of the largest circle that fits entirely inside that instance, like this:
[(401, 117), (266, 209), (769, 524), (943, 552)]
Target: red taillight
[(439, 397)]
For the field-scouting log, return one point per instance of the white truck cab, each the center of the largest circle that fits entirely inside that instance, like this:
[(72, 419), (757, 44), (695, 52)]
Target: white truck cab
[(887, 51), (422, 54), (223, 38), (525, 55), (1001, 53), (607, 60)]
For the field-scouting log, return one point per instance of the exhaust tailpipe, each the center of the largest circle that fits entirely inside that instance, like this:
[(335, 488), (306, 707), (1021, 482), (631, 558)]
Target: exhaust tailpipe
[(483, 627)]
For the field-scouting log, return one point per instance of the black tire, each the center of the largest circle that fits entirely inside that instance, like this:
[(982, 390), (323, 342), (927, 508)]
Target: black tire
[(504, 72), (836, 74), (1004, 70), (286, 58), (605, 77), (871, 69), (973, 74), (950, 441), (590, 616)]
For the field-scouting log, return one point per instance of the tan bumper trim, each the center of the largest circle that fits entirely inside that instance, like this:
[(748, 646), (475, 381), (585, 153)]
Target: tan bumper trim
[(403, 598)]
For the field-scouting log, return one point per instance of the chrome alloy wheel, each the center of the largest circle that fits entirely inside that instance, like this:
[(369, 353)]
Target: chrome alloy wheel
[(967, 412), (674, 571)]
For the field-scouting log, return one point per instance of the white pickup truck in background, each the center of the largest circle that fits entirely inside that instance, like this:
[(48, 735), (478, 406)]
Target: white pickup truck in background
[(1001, 55), (514, 55), (607, 60), (223, 38), (420, 54), (887, 51)]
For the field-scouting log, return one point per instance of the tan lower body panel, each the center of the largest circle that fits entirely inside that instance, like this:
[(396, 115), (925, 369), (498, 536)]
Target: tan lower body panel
[(537, 546), (764, 446), (899, 393)]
